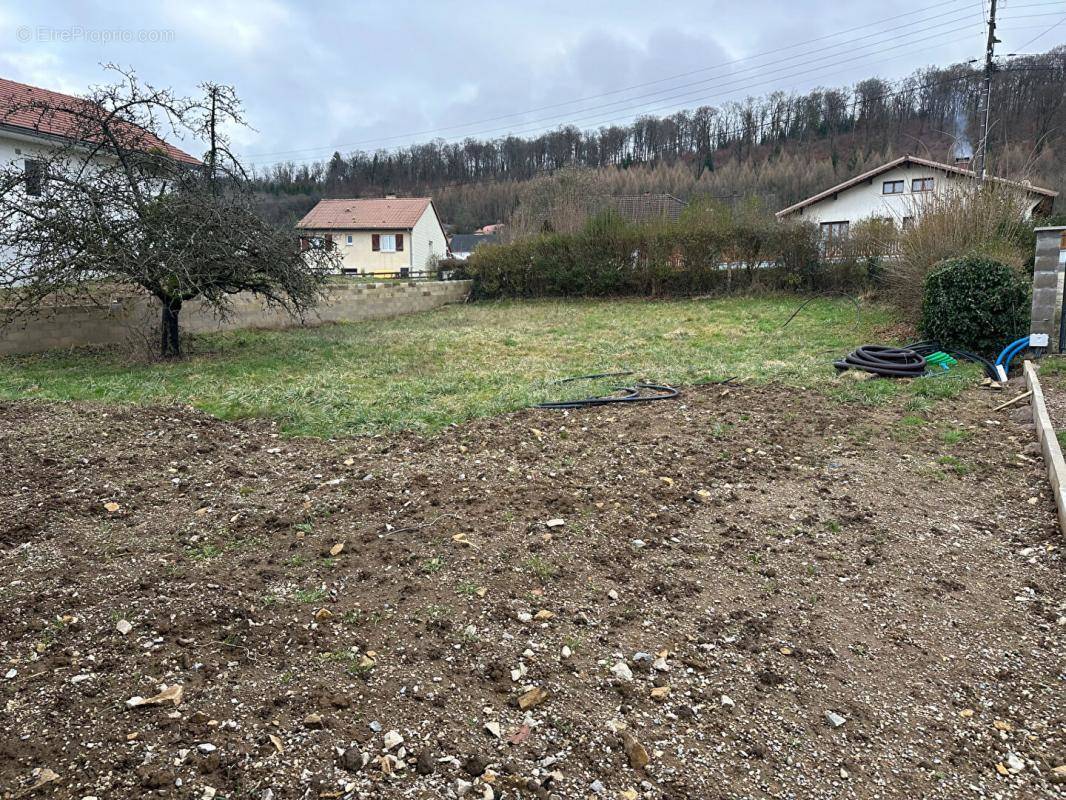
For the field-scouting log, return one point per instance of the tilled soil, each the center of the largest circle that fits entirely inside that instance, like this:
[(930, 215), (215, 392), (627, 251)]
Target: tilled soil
[(748, 592)]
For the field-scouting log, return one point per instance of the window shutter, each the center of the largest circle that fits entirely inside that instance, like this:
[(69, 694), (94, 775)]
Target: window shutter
[(399, 242), (329, 241), (303, 244), (375, 242)]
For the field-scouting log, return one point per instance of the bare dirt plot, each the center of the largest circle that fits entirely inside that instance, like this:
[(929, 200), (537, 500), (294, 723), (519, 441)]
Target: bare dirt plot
[(774, 594)]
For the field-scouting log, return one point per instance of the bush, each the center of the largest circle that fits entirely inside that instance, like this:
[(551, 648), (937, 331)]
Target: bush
[(985, 219), (712, 249), (975, 303)]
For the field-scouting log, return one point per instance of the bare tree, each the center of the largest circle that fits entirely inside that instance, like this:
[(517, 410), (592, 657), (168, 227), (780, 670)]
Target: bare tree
[(110, 203)]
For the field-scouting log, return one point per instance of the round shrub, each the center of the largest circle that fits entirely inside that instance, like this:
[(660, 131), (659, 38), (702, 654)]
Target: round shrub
[(976, 304)]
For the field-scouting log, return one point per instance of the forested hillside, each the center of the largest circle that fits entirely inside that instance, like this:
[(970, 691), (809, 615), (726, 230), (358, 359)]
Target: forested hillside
[(778, 147)]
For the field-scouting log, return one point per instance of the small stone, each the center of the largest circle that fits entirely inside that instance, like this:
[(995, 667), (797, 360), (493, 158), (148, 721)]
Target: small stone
[(426, 762), (352, 760), (660, 665), (475, 766), (638, 544), (112, 507), (566, 652), (612, 595), (660, 692), (337, 549), (534, 697), (543, 614), (323, 614), (206, 748), (392, 739), (1014, 763), (493, 728), (11, 673), (470, 631), (727, 701), (1058, 774), (313, 721), (124, 627), (596, 787), (525, 616), (635, 751), (375, 726), (554, 523), (834, 719)]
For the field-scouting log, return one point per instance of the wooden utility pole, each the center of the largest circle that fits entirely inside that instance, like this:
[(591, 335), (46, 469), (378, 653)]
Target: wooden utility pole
[(990, 66)]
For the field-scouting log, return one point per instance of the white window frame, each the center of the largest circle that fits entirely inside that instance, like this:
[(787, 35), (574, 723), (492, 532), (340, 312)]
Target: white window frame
[(387, 243), (349, 239)]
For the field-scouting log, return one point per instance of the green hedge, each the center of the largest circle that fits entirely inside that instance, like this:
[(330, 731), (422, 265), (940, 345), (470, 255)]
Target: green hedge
[(695, 255), (975, 303)]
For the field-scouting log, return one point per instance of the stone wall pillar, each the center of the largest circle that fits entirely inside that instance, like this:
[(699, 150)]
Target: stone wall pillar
[(1048, 272)]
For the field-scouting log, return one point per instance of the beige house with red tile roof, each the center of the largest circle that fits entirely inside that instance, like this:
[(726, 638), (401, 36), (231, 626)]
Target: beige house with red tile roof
[(391, 235)]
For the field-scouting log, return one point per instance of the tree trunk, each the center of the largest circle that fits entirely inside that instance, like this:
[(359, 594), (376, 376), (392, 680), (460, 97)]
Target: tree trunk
[(170, 344)]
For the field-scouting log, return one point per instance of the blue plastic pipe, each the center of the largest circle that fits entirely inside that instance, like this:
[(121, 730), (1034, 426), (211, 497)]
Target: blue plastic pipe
[(1008, 354)]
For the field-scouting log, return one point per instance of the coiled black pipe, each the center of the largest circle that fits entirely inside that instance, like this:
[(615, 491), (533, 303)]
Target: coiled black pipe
[(888, 362)]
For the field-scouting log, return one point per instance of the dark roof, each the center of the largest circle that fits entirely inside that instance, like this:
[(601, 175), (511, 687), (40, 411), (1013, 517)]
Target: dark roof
[(469, 242), (908, 159), (644, 207)]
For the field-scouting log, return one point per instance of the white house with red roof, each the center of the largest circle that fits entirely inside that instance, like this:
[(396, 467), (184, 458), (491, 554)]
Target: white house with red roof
[(896, 191), (379, 236), (26, 134)]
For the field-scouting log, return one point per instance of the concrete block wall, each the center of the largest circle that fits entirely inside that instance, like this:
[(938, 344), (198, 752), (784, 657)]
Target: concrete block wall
[(135, 319), (1048, 273)]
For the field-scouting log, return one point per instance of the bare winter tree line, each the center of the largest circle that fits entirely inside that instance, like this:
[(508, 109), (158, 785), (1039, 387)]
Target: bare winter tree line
[(780, 147)]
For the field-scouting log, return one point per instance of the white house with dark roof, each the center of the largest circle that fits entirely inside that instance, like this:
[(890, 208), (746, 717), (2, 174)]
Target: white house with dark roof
[(379, 236), (895, 191)]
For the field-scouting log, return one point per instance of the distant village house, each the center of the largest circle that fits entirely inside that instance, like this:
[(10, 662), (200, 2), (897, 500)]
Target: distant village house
[(463, 245), (390, 236), (895, 192)]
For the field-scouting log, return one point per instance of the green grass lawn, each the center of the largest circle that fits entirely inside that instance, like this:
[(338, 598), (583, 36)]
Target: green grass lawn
[(428, 370)]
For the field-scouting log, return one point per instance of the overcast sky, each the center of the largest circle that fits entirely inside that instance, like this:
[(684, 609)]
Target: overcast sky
[(320, 76)]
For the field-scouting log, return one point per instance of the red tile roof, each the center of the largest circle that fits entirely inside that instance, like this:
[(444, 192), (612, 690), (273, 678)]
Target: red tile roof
[(15, 113), (388, 213)]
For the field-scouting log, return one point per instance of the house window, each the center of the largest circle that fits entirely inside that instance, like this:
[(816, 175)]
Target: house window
[(892, 187), (834, 232), (386, 242), (922, 185), (348, 239), (33, 173)]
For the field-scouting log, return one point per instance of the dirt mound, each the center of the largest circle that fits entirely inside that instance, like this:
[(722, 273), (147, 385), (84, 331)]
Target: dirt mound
[(746, 592)]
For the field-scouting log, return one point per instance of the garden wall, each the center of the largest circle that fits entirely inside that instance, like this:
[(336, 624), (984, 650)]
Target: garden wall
[(134, 319)]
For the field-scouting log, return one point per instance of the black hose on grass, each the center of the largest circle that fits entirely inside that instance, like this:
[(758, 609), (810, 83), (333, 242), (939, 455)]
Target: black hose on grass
[(637, 393), (933, 346), (888, 362)]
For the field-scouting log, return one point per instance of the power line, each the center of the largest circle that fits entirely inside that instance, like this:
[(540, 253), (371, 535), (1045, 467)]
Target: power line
[(657, 81), (1043, 34), (690, 97)]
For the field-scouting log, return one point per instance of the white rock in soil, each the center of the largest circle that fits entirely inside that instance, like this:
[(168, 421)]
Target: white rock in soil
[(566, 652), (637, 544), (1014, 763), (493, 727), (393, 739), (11, 673), (124, 626), (554, 523), (727, 701), (206, 747), (660, 664), (834, 719), (462, 788), (525, 616), (612, 595), (622, 671), (375, 726), (597, 787)]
